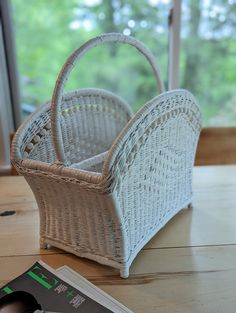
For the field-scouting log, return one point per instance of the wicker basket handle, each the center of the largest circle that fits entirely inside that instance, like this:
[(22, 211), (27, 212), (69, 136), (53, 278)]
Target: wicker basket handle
[(67, 68)]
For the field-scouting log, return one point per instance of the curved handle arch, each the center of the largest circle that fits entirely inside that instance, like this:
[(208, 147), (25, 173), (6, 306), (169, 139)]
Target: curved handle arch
[(66, 70)]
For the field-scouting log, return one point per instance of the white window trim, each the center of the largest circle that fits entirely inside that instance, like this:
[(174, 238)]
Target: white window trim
[(174, 44), (10, 113), (6, 116)]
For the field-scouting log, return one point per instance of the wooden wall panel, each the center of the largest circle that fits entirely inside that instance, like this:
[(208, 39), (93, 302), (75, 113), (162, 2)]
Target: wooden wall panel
[(217, 145)]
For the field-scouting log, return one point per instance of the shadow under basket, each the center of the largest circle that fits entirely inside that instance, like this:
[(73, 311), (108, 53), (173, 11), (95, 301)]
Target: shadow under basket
[(105, 181)]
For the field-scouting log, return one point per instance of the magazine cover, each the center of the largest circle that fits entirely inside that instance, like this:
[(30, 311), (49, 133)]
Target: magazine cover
[(41, 290)]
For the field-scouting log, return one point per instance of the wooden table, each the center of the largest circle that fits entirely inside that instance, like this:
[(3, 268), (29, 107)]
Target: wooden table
[(190, 266)]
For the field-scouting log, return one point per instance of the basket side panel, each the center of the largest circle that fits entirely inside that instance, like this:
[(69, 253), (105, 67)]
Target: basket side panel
[(82, 220), (153, 167), (33, 138)]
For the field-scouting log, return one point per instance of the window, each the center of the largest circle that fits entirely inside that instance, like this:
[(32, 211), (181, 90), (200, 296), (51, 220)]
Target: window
[(208, 58), (48, 31)]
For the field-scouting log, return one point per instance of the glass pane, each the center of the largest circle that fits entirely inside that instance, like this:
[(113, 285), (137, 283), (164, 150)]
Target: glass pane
[(47, 32), (208, 58)]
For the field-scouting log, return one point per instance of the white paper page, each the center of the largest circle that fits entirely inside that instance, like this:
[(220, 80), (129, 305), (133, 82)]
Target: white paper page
[(92, 291)]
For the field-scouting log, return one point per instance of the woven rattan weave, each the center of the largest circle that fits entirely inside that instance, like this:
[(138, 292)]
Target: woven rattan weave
[(106, 181)]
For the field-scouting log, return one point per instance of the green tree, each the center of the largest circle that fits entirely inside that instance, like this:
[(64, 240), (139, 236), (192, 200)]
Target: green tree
[(208, 57), (48, 31)]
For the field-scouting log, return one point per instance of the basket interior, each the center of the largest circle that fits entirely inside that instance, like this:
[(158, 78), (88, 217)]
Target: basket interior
[(90, 122)]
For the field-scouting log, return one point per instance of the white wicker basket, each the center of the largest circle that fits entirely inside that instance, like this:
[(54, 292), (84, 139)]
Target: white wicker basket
[(106, 182)]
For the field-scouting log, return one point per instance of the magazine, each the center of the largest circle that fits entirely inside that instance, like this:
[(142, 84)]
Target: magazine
[(92, 291), (43, 289)]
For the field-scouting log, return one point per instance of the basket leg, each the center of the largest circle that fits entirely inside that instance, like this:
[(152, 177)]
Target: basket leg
[(43, 244), (124, 271), (190, 206)]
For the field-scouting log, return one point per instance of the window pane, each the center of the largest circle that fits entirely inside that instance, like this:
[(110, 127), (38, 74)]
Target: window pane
[(48, 31), (208, 58)]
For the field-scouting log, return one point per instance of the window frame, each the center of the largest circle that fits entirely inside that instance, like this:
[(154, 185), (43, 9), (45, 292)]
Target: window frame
[(10, 112)]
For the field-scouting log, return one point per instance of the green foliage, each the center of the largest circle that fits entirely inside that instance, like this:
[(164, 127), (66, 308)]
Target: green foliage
[(208, 59), (45, 38), (47, 32)]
